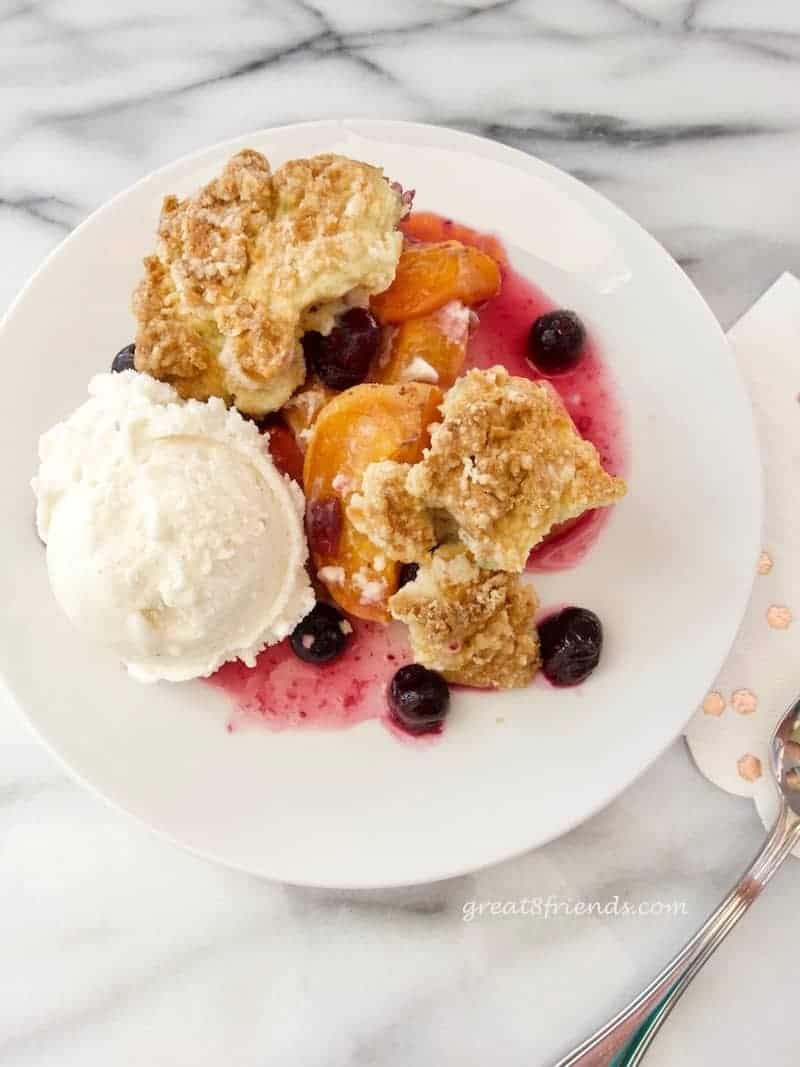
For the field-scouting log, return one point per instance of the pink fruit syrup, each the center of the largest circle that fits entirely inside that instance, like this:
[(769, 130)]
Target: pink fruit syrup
[(282, 691)]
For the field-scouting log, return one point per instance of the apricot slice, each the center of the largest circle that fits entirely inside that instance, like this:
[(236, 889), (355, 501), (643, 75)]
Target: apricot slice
[(428, 349), (431, 275), (363, 425), (427, 226)]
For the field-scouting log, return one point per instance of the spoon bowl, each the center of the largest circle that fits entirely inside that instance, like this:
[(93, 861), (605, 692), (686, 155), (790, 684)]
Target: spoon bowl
[(784, 751)]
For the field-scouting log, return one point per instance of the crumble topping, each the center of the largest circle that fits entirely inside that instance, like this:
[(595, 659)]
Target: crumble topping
[(331, 575), (395, 521), (475, 626), (302, 410), (343, 485), (508, 464), (505, 465), (251, 261), (454, 321), (371, 590), (419, 370)]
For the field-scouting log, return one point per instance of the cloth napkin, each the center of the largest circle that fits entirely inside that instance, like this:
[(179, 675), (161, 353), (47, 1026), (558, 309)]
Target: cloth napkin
[(728, 735)]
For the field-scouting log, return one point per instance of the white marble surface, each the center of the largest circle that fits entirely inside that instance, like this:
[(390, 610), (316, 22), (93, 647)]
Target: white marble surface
[(116, 947)]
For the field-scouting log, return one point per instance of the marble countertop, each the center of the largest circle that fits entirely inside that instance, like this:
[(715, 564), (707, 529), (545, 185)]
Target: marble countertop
[(117, 947)]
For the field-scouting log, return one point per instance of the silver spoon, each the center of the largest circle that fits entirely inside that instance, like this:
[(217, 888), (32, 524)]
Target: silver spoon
[(624, 1041)]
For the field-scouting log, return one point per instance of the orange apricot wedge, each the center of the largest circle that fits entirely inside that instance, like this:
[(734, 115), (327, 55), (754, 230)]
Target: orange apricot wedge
[(431, 275), (362, 425), (430, 349)]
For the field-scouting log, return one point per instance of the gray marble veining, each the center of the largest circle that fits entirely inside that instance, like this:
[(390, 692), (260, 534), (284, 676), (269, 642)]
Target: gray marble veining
[(117, 947)]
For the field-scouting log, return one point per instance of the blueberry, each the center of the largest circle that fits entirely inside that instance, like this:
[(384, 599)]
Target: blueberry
[(321, 636), (555, 341), (408, 572), (124, 359), (571, 643), (418, 699), (342, 358)]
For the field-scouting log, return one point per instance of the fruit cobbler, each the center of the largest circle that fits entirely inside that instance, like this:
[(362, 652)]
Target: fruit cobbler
[(342, 434)]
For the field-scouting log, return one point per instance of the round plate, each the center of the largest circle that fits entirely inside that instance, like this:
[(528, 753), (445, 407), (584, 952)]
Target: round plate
[(669, 577)]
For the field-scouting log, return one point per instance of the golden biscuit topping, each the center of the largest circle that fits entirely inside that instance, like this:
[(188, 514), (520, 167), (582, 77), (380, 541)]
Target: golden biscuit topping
[(474, 626), (396, 522), (250, 262), (301, 410), (506, 464)]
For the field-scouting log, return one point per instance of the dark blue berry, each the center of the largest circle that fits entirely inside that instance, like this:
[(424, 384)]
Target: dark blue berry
[(571, 642), (556, 341), (124, 359), (342, 358), (321, 636), (408, 572), (419, 699)]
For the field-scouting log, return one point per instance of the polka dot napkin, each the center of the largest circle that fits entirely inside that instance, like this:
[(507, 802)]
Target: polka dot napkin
[(729, 733)]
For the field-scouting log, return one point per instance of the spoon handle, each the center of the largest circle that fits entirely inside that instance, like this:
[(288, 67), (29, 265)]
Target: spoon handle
[(624, 1040)]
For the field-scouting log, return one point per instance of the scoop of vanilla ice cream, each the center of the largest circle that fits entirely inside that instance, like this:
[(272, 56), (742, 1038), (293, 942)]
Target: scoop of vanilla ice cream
[(171, 536)]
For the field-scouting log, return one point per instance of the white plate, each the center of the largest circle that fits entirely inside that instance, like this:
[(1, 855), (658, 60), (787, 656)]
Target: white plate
[(669, 578)]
